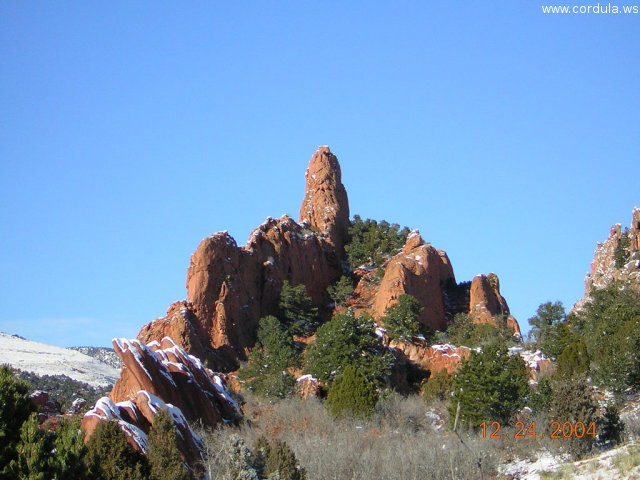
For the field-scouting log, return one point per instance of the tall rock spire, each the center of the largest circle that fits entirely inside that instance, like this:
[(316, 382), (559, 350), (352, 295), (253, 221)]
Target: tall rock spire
[(325, 205)]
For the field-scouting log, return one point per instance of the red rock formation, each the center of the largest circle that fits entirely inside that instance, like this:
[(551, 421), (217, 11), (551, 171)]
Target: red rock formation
[(229, 288), (432, 358), (325, 205), (162, 376), (419, 270), (486, 302), (307, 385), (604, 270)]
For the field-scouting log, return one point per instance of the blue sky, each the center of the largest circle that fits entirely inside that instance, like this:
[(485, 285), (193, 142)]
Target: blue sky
[(131, 130)]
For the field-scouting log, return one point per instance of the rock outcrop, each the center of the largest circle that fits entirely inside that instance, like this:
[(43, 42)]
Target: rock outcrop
[(486, 304), (325, 205), (161, 375), (431, 358), (229, 288), (617, 259), (418, 270)]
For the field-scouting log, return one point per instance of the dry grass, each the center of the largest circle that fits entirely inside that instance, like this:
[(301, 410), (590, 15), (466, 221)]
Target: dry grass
[(398, 442)]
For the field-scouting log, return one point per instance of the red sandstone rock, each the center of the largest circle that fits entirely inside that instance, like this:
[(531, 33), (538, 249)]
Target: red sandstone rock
[(432, 358), (325, 205), (604, 270), (419, 270), (161, 375), (486, 302)]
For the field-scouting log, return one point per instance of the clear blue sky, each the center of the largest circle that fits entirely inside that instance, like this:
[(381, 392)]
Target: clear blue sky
[(131, 130)]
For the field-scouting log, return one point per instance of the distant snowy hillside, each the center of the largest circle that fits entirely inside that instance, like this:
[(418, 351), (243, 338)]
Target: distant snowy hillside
[(43, 359), (105, 355)]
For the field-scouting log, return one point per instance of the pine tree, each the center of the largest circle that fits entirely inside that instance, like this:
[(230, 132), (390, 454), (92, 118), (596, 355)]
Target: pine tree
[(340, 291), (490, 386), (438, 387), (572, 402), (574, 360), (69, 451), (401, 320), (540, 398), (277, 460), (549, 330), (34, 451), (110, 457), (300, 314), (15, 409), (611, 426), (351, 393), (372, 242), (266, 370), (347, 340), (165, 460)]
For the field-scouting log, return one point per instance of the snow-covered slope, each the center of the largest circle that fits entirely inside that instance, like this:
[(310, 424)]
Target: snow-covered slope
[(43, 359)]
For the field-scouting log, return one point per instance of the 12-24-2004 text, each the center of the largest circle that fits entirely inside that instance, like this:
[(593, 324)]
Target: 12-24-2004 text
[(555, 430)]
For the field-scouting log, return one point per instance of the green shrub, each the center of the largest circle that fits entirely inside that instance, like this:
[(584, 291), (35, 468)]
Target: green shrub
[(401, 320), (165, 460), (438, 387), (276, 460), (347, 340), (15, 409), (574, 360), (573, 402), (611, 427), (340, 291), (300, 315), (490, 386), (110, 457), (372, 242), (266, 370), (351, 393), (463, 331), (540, 398), (621, 252), (549, 330)]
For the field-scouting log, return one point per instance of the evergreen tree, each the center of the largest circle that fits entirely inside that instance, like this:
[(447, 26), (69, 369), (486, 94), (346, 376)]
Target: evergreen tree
[(347, 340), (574, 360), (351, 393), (69, 451), (165, 460), (619, 360), (540, 399), (372, 242), (34, 451), (401, 320), (276, 460), (572, 402), (110, 457), (547, 315), (490, 386), (609, 325), (266, 370), (301, 316), (463, 331), (611, 426), (340, 291), (15, 409), (438, 387)]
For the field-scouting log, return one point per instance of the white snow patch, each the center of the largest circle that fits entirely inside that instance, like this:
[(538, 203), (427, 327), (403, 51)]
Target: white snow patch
[(43, 359)]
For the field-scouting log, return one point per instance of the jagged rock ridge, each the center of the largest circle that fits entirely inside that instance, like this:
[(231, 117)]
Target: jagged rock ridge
[(157, 376), (617, 259), (229, 288)]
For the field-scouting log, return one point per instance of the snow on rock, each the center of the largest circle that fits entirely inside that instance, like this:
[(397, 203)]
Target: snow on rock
[(43, 359), (163, 376)]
